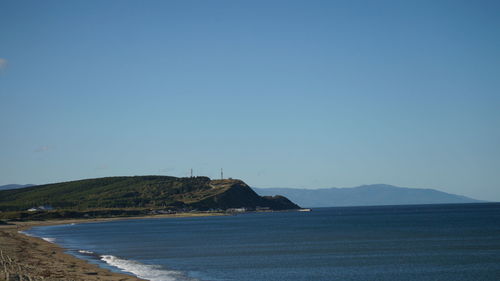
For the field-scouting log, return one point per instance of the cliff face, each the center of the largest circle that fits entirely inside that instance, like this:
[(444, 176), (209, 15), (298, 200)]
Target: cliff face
[(236, 194), (141, 192)]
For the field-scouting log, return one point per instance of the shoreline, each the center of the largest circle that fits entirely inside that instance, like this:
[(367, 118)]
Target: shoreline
[(24, 257)]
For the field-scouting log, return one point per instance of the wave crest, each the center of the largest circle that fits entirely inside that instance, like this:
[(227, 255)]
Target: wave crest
[(145, 271), (85, 252), (26, 233), (48, 239)]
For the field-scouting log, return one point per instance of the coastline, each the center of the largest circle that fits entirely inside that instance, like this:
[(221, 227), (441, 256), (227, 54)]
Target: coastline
[(24, 257)]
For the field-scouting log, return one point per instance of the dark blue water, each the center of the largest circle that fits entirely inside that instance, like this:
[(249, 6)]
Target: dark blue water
[(429, 242)]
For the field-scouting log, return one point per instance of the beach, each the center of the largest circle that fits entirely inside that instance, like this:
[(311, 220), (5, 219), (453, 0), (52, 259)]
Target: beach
[(23, 257)]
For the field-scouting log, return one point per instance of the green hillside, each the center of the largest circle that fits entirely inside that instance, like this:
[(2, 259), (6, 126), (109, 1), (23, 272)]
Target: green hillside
[(153, 192)]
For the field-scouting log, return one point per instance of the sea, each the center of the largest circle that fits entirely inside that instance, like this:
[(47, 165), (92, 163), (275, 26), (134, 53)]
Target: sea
[(415, 242)]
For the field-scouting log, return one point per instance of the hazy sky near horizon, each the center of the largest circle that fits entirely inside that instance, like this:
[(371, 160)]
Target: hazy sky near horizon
[(278, 93)]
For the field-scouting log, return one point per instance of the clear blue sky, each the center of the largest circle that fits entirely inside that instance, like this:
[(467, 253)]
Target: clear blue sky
[(279, 93)]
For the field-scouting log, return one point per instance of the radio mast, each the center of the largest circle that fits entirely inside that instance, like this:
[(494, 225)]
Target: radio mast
[(221, 174)]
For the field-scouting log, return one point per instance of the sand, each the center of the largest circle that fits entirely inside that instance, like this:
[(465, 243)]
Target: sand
[(29, 258)]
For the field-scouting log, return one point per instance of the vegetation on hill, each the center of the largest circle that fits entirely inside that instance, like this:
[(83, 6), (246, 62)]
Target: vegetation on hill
[(140, 192)]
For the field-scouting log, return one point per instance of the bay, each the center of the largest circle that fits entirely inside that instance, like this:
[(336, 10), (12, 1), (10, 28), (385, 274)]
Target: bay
[(415, 242)]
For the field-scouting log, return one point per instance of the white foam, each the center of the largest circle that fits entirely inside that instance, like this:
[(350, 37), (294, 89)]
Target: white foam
[(25, 233), (85, 252), (48, 239), (144, 271)]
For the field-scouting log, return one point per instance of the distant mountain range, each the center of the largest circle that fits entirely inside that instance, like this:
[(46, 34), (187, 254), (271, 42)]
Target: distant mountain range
[(365, 195), (14, 186)]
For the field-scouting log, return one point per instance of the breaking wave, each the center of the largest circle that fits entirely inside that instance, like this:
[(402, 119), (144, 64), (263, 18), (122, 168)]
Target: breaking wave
[(48, 239), (145, 271), (85, 252), (26, 233)]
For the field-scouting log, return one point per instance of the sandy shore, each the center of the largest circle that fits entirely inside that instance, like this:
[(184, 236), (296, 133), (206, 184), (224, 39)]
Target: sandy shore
[(28, 258)]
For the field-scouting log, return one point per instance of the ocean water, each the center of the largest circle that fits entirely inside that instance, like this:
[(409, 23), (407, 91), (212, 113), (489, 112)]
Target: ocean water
[(427, 242)]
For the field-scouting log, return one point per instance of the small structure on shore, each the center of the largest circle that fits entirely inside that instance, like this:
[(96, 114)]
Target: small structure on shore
[(236, 210), (41, 208)]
